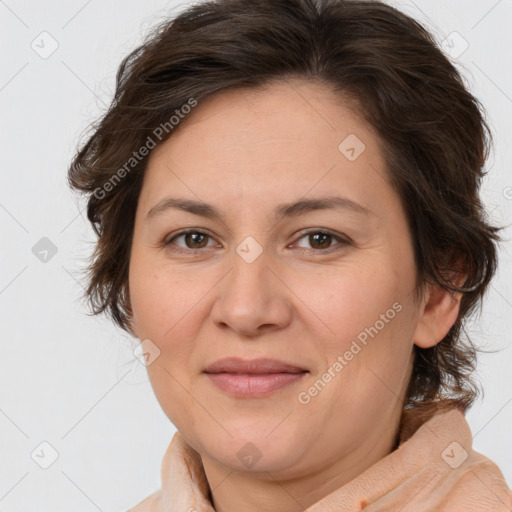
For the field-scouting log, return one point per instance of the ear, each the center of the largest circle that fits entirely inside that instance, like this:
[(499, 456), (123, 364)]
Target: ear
[(438, 313)]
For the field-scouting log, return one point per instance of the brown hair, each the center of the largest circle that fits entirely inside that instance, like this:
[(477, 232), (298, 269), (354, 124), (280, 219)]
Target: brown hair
[(432, 131)]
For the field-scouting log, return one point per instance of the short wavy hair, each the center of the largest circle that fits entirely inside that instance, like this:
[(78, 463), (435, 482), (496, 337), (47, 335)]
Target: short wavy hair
[(432, 132)]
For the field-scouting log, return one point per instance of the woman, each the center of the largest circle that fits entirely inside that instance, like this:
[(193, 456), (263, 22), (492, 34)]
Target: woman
[(286, 198)]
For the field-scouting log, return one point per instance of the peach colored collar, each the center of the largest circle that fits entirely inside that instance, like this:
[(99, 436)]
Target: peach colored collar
[(433, 469)]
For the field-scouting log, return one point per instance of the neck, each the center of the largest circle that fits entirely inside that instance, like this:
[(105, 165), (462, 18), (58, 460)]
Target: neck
[(232, 491)]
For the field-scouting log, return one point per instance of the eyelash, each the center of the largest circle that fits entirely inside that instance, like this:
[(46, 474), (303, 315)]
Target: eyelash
[(342, 241)]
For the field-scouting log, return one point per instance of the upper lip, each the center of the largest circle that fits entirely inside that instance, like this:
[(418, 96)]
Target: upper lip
[(261, 366)]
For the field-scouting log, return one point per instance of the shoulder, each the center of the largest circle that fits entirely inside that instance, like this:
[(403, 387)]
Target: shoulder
[(481, 481), (153, 503)]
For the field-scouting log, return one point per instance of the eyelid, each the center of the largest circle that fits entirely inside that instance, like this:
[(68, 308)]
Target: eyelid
[(202, 231), (339, 236), (341, 239)]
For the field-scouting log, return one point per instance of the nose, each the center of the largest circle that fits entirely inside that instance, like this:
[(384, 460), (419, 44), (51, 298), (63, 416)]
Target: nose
[(252, 298)]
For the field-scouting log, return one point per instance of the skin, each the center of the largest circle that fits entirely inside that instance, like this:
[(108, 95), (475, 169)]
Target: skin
[(245, 152)]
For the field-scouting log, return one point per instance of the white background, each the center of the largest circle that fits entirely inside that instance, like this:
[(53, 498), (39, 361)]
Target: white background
[(68, 378)]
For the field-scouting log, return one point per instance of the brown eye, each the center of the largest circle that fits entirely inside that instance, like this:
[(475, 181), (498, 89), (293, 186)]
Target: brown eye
[(195, 240), (192, 240), (322, 241), (318, 241)]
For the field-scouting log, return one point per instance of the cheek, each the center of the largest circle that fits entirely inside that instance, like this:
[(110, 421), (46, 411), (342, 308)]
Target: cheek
[(348, 300), (163, 311), (368, 320), (160, 299), (377, 360)]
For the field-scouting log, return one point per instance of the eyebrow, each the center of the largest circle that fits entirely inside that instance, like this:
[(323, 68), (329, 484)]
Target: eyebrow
[(294, 209)]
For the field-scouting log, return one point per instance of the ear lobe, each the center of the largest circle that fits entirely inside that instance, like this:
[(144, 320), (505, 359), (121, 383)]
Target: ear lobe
[(439, 313)]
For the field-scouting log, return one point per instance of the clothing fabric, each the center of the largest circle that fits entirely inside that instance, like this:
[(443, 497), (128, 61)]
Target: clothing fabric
[(433, 469)]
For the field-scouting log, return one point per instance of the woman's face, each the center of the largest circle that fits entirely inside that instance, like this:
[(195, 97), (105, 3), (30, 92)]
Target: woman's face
[(325, 288)]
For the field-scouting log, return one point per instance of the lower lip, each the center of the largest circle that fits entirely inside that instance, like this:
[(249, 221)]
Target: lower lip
[(253, 385)]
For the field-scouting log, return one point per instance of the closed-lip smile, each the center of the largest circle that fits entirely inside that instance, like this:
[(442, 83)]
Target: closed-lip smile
[(252, 378), (261, 365)]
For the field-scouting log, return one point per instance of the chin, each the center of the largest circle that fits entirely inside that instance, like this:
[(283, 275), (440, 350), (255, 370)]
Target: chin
[(252, 450)]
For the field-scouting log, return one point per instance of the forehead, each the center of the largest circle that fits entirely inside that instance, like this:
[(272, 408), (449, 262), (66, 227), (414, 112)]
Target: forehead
[(291, 111), (287, 138)]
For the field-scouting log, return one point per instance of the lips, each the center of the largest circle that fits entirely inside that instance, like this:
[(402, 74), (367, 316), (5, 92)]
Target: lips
[(262, 366), (256, 378)]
